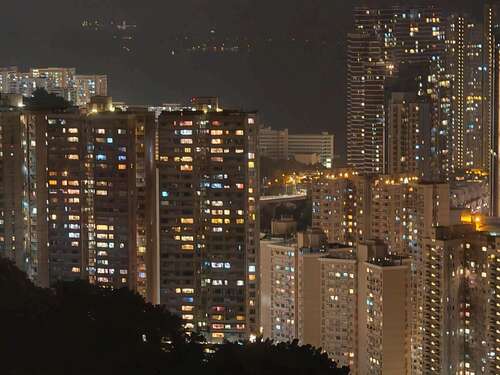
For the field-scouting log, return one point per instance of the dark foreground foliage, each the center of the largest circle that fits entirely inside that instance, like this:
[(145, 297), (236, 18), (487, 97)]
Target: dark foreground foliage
[(79, 329), (42, 100)]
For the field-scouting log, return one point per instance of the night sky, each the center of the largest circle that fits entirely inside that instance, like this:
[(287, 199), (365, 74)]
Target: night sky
[(292, 73)]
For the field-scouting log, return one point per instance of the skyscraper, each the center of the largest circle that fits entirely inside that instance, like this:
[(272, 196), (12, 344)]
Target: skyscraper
[(474, 117), (409, 122), (76, 194), (208, 220), (366, 72), (383, 40)]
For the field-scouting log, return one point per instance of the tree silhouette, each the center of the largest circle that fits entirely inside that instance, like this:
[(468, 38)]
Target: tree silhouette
[(41, 100), (267, 358), (79, 329)]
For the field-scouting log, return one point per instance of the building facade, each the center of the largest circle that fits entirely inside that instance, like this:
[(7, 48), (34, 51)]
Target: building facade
[(459, 328), (77, 194), (382, 42), (208, 214), (64, 82), (281, 145), (341, 207), (353, 303)]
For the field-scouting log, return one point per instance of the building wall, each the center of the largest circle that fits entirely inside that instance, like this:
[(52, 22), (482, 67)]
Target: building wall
[(339, 314), (80, 194), (341, 208), (310, 299), (408, 134), (209, 238), (279, 289), (279, 144), (63, 82), (273, 143)]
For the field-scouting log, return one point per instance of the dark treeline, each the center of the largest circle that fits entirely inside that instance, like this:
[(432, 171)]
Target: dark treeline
[(78, 329)]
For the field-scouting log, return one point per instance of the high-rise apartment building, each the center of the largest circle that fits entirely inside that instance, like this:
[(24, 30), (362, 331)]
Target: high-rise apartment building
[(474, 83), (494, 140), (382, 42), (351, 208), (278, 288), (392, 211), (208, 220), (366, 71), (490, 29), (467, 66), (353, 303), (279, 277), (59, 81), (460, 303), (87, 86), (63, 82), (77, 195), (341, 207), (408, 134)]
